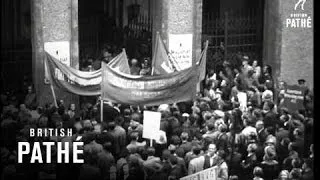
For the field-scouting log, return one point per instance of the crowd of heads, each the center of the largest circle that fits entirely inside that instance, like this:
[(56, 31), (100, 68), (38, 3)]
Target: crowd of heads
[(140, 63), (262, 140)]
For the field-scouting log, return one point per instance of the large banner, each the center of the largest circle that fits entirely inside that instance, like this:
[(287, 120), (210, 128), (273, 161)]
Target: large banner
[(70, 79), (149, 90), (207, 174), (80, 82), (294, 98), (115, 85)]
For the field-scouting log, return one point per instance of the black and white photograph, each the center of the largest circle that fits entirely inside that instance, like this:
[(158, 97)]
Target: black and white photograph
[(157, 90)]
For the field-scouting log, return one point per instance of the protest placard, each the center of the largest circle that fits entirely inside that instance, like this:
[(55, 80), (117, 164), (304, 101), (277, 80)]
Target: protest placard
[(242, 98), (294, 98), (151, 124)]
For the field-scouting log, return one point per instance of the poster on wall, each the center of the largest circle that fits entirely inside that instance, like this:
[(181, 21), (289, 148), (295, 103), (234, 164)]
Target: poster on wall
[(61, 51), (180, 50)]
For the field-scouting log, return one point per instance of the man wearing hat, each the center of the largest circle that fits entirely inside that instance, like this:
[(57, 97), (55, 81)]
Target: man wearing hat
[(301, 82)]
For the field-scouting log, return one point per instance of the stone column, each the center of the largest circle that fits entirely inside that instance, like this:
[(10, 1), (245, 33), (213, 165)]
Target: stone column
[(288, 40), (53, 21), (175, 20)]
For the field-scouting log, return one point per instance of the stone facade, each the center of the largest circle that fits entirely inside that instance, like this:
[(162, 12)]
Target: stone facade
[(179, 17), (53, 21), (288, 48)]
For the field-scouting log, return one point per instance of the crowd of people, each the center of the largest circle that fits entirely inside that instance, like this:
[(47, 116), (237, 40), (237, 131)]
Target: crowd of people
[(138, 66), (263, 140)]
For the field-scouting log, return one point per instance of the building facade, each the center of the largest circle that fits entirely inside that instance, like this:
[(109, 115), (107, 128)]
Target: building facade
[(278, 32)]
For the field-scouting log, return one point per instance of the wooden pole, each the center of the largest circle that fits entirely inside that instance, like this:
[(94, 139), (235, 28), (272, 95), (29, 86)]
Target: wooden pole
[(47, 73), (54, 95), (101, 110)]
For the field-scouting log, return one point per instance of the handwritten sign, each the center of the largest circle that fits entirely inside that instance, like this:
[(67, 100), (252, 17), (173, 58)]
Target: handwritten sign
[(61, 51), (180, 50), (207, 174), (151, 124)]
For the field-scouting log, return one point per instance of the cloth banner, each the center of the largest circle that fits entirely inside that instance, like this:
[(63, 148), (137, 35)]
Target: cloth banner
[(120, 62), (207, 174), (294, 98), (161, 63), (170, 88), (80, 82), (203, 56)]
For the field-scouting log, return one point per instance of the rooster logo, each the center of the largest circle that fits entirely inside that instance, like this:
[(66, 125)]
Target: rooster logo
[(301, 3)]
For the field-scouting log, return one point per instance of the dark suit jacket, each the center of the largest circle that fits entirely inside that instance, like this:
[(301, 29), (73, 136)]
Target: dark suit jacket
[(299, 145), (109, 113), (187, 146), (249, 163), (270, 119), (222, 142), (262, 135), (234, 163), (307, 175), (176, 173), (282, 133)]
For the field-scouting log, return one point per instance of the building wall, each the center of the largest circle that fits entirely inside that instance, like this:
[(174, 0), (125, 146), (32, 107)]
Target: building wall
[(297, 46), (53, 21), (288, 50), (272, 37)]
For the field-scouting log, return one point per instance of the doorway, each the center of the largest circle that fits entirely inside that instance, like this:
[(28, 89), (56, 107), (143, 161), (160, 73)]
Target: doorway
[(16, 49), (234, 29)]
